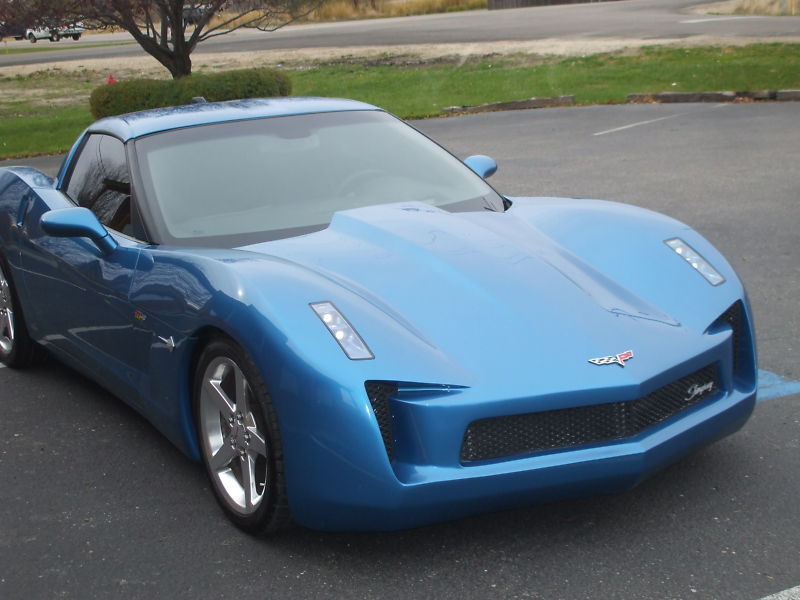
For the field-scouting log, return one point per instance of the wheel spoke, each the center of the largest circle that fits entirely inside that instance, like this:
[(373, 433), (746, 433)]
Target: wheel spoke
[(6, 330), (8, 324), (249, 481), (222, 457), (242, 405), (215, 393), (257, 443)]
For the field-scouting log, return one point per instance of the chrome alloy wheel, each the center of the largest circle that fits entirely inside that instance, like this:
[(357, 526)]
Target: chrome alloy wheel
[(6, 317), (232, 431)]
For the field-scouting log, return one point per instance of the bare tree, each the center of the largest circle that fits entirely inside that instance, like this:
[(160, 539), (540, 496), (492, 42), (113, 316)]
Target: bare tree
[(168, 30)]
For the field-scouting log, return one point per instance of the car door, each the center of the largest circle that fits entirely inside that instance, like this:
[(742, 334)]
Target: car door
[(78, 294)]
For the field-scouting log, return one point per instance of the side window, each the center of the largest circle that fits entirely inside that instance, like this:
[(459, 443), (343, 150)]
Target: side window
[(100, 182)]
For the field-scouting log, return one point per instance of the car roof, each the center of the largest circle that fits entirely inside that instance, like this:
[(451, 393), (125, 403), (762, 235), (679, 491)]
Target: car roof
[(138, 124)]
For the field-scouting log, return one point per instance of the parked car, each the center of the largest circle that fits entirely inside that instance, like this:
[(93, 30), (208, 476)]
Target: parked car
[(352, 329), (193, 14), (11, 30)]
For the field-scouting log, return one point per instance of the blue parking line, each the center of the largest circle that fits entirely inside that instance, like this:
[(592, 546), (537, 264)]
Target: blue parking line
[(771, 385)]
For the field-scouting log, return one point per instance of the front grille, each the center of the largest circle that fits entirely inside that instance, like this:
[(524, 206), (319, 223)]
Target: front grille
[(734, 317), (533, 432), (379, 393)]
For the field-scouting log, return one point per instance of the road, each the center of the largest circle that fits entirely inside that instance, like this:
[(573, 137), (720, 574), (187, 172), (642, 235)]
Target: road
[(654, 20), (94, 503)]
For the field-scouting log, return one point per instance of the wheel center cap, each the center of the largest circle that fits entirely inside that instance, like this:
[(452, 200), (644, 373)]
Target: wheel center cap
[(240, 439)]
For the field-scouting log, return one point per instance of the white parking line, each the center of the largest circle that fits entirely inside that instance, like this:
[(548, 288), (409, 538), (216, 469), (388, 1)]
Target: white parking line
[(639, 123), (710, 19), (792, 594), (710, 106)]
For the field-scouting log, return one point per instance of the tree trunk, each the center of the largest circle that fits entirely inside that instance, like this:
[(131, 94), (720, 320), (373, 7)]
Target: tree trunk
[(178, 66), (177, 61), (173, 52)]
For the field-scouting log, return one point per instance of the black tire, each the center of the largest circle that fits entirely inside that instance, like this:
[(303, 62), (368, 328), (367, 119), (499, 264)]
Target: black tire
[(76, 36), (55, 36), (32, 38), (17, 349), (240, 441)]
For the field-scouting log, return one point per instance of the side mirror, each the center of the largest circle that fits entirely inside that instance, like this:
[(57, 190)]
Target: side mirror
[(484, 166), (78, 222)]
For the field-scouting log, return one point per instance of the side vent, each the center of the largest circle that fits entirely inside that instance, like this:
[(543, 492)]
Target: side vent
[(379, 393), (735, 319)]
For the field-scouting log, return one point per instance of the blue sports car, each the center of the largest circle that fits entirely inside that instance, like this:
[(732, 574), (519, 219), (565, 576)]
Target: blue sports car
[(352, 330)]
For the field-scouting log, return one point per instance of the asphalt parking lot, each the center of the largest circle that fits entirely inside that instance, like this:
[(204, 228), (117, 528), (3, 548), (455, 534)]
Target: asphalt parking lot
[(96, 504)]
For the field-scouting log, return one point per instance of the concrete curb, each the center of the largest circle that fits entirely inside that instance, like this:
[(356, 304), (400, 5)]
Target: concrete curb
[(663, 98), (513, 105), (758, 95), (788, 96)]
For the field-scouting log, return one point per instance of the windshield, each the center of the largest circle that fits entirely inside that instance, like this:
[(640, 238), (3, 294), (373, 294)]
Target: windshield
[(228, 184)]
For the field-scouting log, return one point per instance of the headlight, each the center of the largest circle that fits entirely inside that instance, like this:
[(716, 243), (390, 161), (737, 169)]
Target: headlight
[(345, 334), (691, 256)]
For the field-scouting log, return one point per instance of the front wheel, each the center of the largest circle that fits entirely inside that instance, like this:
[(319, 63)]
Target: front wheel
[(16, 347), (239, 438), (32, 38)]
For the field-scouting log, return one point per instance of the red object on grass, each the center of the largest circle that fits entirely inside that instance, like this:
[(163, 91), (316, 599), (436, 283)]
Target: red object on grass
[(111, 79)]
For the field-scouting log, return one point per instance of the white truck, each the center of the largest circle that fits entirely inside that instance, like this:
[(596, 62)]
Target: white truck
[(54, 33)]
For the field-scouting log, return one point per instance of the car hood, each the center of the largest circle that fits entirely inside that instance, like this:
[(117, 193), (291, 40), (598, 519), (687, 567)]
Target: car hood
[(489, 291)]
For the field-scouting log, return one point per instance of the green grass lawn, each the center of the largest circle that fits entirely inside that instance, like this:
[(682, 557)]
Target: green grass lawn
[(43, 113), (51, 134), (598, 79)]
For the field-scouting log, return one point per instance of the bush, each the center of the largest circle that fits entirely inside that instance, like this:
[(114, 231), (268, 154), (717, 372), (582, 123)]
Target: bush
[(141, 94)]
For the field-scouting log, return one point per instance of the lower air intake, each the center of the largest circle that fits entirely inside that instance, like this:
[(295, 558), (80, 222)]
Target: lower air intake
[(379, 393), (557, 429)]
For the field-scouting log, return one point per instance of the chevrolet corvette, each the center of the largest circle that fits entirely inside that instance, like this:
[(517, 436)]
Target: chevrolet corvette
[(352, 330)]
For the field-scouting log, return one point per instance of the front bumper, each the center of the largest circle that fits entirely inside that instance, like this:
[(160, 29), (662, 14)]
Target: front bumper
[(355, 499), (343, 474)]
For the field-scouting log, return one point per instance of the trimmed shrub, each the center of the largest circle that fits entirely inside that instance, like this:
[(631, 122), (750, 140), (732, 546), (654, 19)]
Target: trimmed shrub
[(129, 96), (141, 94)]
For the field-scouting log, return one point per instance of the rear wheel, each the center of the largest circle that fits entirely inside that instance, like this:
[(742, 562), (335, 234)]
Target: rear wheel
[(76, 36), (54, 36), (32, 38), (239, 438), (16, 347)]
